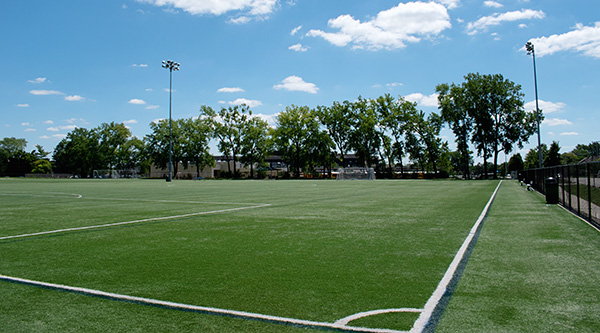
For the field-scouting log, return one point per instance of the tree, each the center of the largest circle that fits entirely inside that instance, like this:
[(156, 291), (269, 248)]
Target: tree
[(292, 136), (157, 144), (553, 156), (111, 137), (196, 134), (425, 147), (515, 163), (490, 108), (78, 153), (255, 143), (531, 159), (41, 166), (337, 119), (131, 155), (365, 138)]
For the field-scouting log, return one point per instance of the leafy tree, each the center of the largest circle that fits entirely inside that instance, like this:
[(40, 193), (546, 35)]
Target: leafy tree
[(78, 153), (552, 158), (196, 134), (157, 144), (292, 136), (337, 119), (131, 155), (365, 138), (111, 137), (532, 158), (41, 166), (425, 147), (515, 163), (255, 143)]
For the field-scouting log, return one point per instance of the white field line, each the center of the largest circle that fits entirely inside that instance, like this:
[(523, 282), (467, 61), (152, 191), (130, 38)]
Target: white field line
[(172, 305), (134, 221), (346, 320), (49, 195), (433, 301)]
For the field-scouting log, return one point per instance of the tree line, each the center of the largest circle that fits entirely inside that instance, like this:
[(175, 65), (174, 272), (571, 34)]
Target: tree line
[(485, 112)]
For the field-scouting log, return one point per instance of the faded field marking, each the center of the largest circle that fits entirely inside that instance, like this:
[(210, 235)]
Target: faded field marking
[(346, 320), (134, 221)]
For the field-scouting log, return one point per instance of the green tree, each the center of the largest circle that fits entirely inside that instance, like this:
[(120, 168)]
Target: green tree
[(515, 163), (41, 166), (365, 138), (531, 159), (337, 119), (111, 137), (157, 144), (552, 158), (196, 134), (256, 143), (77, 154)]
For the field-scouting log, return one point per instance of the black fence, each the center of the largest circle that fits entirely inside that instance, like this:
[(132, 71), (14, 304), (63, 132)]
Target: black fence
[(578, 187)]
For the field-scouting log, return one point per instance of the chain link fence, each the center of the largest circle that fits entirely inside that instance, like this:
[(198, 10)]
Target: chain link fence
[(578, 187)]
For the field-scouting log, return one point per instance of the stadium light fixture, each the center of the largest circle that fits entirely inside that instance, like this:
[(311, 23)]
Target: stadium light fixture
[(531, 51), (171, 66)]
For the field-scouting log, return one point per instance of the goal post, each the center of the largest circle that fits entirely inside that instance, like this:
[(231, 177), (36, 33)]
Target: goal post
[(356, 174), (114, 173)]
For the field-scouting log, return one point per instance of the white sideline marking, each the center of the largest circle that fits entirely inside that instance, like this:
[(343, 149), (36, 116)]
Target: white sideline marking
[(66, 195), (134, 221), (156, 302), (346, 320), (441, 288)]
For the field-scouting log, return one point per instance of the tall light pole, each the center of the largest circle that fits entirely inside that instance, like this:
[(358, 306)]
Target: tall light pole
[(531, 50), (171, 66)]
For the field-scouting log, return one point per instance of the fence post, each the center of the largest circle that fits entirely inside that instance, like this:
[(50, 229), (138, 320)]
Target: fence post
[(578, 195), (589, 192)]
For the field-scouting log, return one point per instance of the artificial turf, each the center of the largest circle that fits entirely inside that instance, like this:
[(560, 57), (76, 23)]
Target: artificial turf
[(321, 251), (534, 269)]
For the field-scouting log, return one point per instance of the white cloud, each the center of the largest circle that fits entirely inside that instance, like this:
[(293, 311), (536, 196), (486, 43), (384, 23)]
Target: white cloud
[(52, 129), (249, 102), (493, 4), (30, 130), (295, 30), (131, 121), (22, 105), (485, 22), (296, 83), (450, 4), (74, 120), (582, 39), (140, 65), (423, 100), (393, 84), (269, 118), (556, 122), (38, 80), (569, 133), (45, 92), (546, 107), (148, 89), (44, 137), (74, 98), (230, 90), (136, 101), (25, 124), (219, 7), (298, 48), (48, 122), (240, 20), (390, 29), (156, 121), (68, 127), (152, 107), (58, 136)]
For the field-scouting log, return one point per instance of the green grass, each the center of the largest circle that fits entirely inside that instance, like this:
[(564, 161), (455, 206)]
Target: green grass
[(321, 251), (534, 269), (583, 192)]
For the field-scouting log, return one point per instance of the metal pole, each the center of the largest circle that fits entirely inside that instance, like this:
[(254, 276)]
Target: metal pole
[(530, 49), (169, 177)]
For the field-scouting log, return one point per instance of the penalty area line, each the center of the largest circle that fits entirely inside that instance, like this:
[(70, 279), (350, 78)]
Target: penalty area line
[(132, 222), (195, 308)]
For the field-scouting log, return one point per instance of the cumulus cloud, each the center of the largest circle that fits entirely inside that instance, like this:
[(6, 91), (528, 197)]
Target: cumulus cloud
[(295, 30), (569, 133), (296, 83), (545, 106), (390, 29), (25, 124), (485, 22), (200, 7), (450, 4), (493, 4), (136, 101), (423, 100), (45, 92), (48, 122), (38, 80), (230, 90), (298, 48), (130, 121), (556, 122), (249, 102), (152, 107), (271, 119), (582, 39), (23, 105), (30, 130), (74, 98)]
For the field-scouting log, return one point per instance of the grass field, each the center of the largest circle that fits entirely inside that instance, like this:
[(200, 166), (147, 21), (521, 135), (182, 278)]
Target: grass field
[(309, 250)]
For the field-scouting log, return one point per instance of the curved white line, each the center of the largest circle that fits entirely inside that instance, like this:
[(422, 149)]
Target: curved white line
[(346, 320)]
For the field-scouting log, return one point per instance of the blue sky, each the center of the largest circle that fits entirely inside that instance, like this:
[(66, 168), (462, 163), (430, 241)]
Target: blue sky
[(70, 64)]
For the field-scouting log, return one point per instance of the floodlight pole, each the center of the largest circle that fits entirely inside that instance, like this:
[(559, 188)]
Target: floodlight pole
[(171, 66), (531, 50)]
